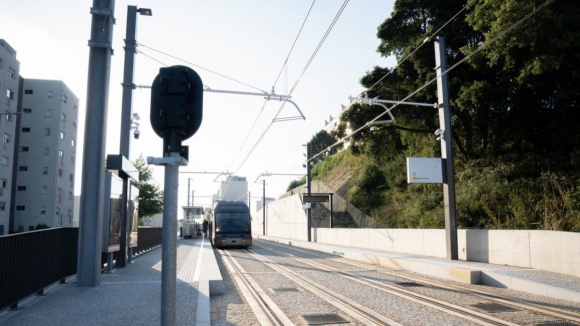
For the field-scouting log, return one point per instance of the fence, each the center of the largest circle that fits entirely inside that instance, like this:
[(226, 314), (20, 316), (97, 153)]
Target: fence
[(31, 261)]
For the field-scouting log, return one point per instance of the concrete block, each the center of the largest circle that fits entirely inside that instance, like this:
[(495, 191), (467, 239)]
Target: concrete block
[(465, 275)]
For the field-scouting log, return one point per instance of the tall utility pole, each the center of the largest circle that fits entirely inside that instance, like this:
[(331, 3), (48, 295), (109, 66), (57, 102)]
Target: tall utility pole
[(309, 211), (264, 207), (188, 190), (93, 178), (446, 149), (126, 112)]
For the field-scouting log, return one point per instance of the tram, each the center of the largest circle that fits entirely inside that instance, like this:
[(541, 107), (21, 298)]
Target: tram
[(230, 225)]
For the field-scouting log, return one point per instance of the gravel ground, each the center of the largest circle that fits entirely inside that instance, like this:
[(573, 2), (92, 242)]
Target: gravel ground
[(519, 317)]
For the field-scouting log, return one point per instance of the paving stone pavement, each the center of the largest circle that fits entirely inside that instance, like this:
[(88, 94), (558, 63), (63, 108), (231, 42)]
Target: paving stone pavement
[(128, 296)]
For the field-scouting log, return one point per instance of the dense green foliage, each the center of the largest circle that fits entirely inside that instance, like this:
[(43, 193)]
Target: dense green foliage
[(514, 115), (150, 196)]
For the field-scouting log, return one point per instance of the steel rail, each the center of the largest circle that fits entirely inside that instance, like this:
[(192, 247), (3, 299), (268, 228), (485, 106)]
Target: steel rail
[(446, 307), (513, 302), (263, 307), (352, 308)]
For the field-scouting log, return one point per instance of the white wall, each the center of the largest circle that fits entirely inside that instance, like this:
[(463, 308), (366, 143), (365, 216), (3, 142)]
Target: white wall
[(547, 250)]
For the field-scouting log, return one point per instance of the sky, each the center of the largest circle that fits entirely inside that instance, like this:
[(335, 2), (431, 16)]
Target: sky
[(247, 41)]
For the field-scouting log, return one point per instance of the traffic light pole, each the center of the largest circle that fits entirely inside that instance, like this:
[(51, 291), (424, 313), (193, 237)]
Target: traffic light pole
[(169, 234)]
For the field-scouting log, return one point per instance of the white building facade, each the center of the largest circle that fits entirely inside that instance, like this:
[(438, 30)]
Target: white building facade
[(45, 155), (9, 86), (235, 188)]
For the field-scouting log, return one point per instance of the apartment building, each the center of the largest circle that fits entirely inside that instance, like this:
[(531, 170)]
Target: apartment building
[(9, 86), (45, 155)]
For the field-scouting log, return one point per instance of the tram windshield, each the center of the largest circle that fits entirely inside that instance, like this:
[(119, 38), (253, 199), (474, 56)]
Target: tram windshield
[(232, 222)]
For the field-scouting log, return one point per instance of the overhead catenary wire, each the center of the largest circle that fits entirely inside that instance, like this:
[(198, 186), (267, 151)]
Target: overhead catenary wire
[(206, 69), (481, 47), (297, 81), (276, 81), (293, 44), (150, 57)]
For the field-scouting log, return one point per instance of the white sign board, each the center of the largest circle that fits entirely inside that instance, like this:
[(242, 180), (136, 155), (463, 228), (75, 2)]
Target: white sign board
[(424, 170)]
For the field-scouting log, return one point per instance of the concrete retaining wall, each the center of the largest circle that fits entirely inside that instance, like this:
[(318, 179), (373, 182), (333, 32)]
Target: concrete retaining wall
[(547, 250)]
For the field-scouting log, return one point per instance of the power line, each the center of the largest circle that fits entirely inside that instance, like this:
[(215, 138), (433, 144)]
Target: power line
[(288, 56), (209, 70), (297, 81), (150, 57), (481, 47), (249, 132)]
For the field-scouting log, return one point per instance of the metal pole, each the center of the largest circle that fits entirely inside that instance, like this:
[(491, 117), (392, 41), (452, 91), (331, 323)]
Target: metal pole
[(93, 178), (169, 244), (264, 207), (446, 150), (126, 110), (330, 210), (309, 214), (188, 190)]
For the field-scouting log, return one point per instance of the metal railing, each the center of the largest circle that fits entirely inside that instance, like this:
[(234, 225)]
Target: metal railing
[(32, 261)]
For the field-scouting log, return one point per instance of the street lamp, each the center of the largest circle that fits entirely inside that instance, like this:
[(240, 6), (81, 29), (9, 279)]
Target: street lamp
[(127, 119)]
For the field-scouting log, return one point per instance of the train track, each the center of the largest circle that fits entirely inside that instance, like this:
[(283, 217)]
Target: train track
[(566, 315)]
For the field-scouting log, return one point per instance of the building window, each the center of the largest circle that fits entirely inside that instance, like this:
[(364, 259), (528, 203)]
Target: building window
[(45, 170), (47, 132), (24, 148), (1, 63), (43, 190), (23, 168), (60, 173), (21, 188), (6, 141), (28, 91), (4, 160), (60, 156), (72, 142), (70, 195), (71, 178), (61, 135), (63, 117), (42, 210), (9, 96), (2, 206), (46, 151), (27, 110), (64, 99), (20, 208), (8, 117), (48, 113), (50, 94), (72, 160), (58, 195), (11, 73), (25, 129), (4, 182), (74, 126)]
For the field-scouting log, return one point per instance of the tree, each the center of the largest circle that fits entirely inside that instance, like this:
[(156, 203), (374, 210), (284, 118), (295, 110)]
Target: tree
[(150, 196), (514, 110), (319, 143)]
